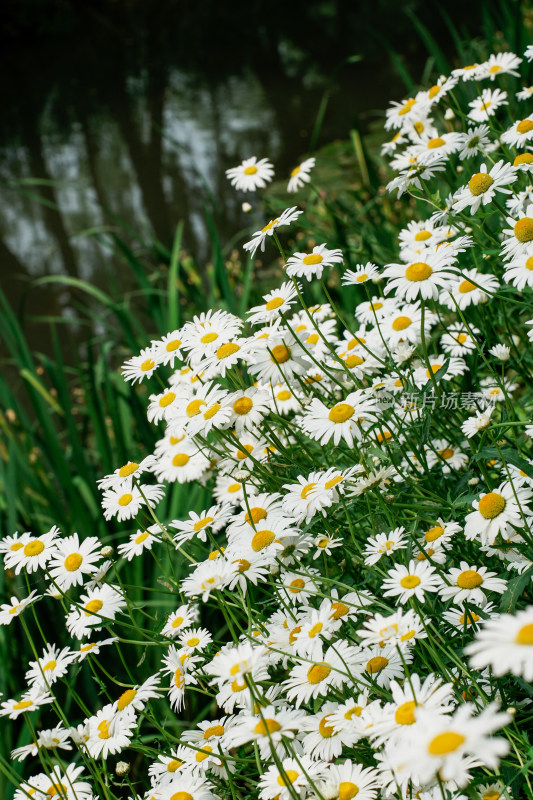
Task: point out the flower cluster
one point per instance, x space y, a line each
350 603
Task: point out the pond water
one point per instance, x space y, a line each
124 115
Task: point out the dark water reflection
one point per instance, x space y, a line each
141 121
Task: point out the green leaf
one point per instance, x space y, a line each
515 587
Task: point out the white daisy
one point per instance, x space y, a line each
251 174
259 237
312 265
301 175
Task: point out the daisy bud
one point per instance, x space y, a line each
449 113
246 207
473 481
501 352
459 168
511 710
107 551
122 768
242 475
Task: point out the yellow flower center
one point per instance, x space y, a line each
255 515
103 729
141 537
212 410
417 272
226 350
128 469
445 743
407 106
479 183
401 323
433 369
333 482
491 505
325 730
376 664
295 172
422 236
177 622
173 765
213 730
202 523
126 698
469 579
347 790
446 453
338 610
250 170
262 539
283 395
291 776
34 548
233 487
525 126
172 345
405 714
466 286
434 533
523 229
167 399
125 499
315 630
180 459
276 302
181 796
353 361
207 338
435 142
270 225
280 353
238 687
318 673
491 795
93 607
354 711
51 665
433 92
147 365
310 487
243 405
244 564
341 412
523 158
461 338
245 452
16 546
55 788
525 635
293 635
73 562
270 725
200 756
313 258
23 704
410 581
296 585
